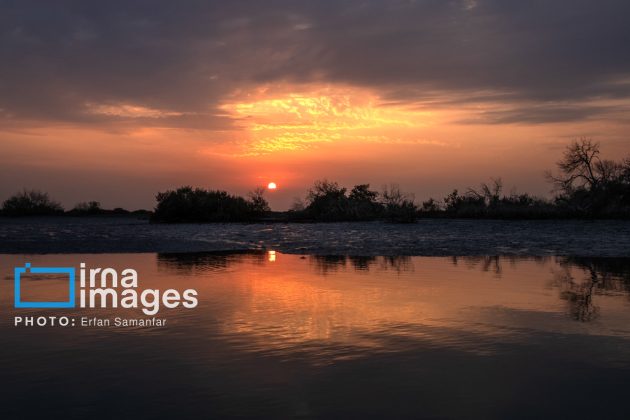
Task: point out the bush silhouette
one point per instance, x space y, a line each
257 202
90 208
488 202
30 203
198 205
329 202
363 203
399 207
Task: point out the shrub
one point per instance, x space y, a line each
30 203
430 206
327 201
363 203
188 205
86 209
399 207
257 202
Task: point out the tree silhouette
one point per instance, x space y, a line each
258 203
590 185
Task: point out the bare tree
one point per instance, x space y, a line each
579 167
257 200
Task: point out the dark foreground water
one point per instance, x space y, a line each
279 336
430 237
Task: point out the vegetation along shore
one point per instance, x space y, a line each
585 186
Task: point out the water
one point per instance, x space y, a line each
429 237
278 335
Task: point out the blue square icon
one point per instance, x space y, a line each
19 271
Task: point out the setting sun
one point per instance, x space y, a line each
272 186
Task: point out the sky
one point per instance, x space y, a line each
114 101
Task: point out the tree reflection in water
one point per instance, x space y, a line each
600 276
580 279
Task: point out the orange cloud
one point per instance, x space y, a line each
299 118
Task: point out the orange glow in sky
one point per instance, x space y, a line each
292 134
286 118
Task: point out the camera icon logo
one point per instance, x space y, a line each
19 271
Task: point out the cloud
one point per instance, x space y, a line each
57 59
545 113
130 111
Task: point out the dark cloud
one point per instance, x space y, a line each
540 114
185 57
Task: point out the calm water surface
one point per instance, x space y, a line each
279 335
